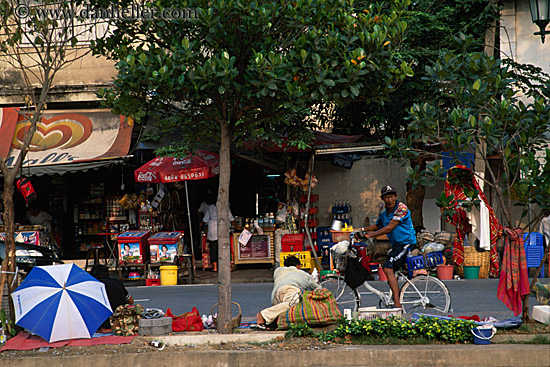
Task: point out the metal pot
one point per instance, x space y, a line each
336 225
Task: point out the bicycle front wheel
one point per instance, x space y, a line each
425 293
344 295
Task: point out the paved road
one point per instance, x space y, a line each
468 297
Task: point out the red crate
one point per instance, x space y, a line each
152 282
310 223
293 242
312 199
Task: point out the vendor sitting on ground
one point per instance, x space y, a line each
289 281
116 292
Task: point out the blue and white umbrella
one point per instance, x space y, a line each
61 302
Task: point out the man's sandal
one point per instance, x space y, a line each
258 326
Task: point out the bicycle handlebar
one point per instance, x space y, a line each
352 234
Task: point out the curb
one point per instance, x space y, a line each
373 356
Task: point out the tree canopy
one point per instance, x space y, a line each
495 108
241 70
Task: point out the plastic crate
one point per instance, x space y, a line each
370 313
312 199
304 256
293 242
152 282
310 223
430 260
323 236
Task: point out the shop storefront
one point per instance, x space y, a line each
85 179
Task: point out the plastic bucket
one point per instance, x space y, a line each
445 272
483 334
169 275
471 272
382 275
326 273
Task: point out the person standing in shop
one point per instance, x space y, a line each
211 221
37 216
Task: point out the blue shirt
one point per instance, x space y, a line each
403 233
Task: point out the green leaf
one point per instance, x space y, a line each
271 85
477 85
221 89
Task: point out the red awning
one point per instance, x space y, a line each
203 164
65 137
320 139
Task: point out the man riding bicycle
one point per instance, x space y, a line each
394 221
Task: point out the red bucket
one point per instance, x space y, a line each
445 272
382 275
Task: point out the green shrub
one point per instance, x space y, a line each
426 328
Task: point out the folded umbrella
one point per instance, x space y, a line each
61 302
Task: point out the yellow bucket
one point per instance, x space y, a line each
168 275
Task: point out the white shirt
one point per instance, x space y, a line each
203 208
43 219
211 219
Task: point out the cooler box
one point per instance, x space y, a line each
133 247
293 242
165 246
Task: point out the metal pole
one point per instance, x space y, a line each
306 226
190 226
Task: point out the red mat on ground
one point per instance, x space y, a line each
26 341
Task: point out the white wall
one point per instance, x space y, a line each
517 38
361 186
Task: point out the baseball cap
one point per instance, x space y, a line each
387 190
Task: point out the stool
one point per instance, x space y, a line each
187 261
93 253
534 250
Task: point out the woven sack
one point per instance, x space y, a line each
317 308
423 237
125 320
472 257
444 238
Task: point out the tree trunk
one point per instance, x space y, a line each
415 197
223 323
8 265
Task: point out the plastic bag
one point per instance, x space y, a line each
341 247
281 215
432 247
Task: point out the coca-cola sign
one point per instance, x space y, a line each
179 162
147 177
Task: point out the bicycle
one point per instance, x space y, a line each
421 292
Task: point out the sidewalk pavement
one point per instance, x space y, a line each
174 354
243 274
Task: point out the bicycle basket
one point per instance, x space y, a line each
339 260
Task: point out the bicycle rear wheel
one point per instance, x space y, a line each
344 295
425 293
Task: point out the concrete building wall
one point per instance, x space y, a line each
517 39
76 82
361 186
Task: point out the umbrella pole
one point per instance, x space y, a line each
190 228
